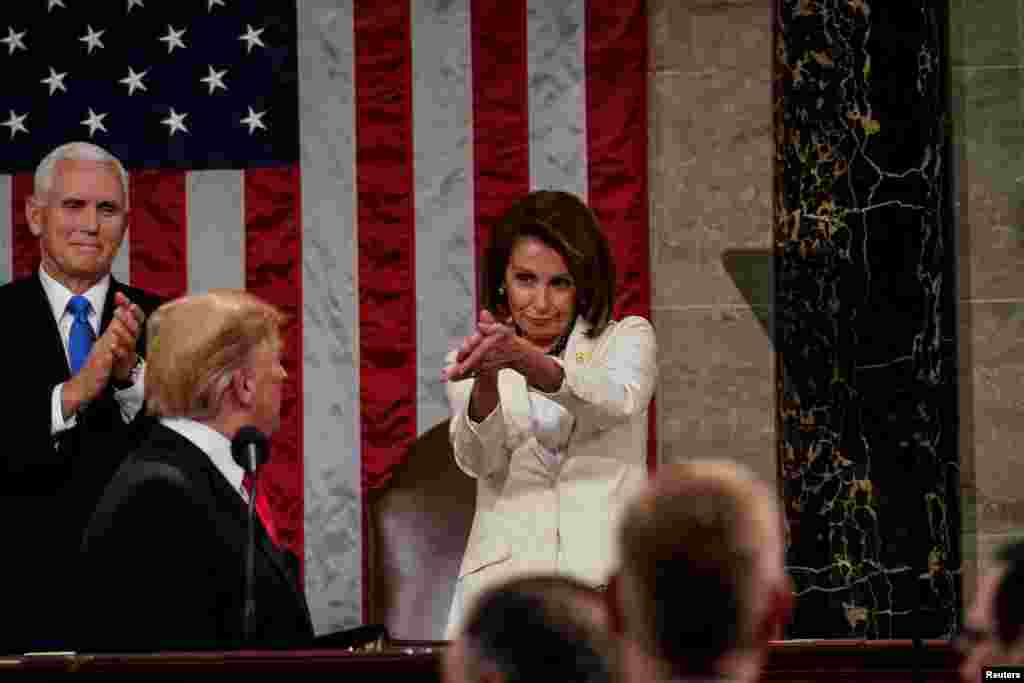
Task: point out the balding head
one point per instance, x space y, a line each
702 577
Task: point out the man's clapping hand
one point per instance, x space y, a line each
113 354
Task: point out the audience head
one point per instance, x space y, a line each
993 630
537 628
216 358
548 226
702 586
78 210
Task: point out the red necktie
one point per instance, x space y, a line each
262 508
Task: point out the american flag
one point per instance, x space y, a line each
344 160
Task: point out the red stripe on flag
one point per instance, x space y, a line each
501 120
24 245
616 87
273 272
157 229
386 241
386 235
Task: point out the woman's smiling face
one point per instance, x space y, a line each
541 292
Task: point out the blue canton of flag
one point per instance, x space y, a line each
190 84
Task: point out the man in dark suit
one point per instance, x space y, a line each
74 350
164 553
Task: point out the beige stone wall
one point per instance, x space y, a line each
711 184
987 81
711 191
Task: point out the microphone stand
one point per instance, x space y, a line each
249 607
249 449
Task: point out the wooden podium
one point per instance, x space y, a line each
824 661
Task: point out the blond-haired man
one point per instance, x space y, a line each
164 551
702 587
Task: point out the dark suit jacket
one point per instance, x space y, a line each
47 488
163 560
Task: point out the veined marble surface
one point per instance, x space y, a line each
866 320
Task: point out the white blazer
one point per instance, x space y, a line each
532 518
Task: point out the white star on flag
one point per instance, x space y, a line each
175 122
55 81
95 122
134 80
133 3
173 39
15 123
213 3
251 37
50 4
13 40
215 79
254 121
92 38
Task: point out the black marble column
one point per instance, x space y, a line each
865 318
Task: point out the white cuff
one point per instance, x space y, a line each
57 422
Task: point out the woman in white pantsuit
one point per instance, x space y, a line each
549 401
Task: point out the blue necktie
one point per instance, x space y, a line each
81 338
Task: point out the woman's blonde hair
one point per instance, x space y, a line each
197 342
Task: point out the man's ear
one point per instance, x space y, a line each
34 216
241 385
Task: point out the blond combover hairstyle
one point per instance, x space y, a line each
197 342
697 548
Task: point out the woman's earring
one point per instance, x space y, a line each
501 290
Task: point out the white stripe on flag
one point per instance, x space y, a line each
216 231
330 317
445 270
6 230
121 267
557 95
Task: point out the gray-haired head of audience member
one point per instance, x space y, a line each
533 629
702 587
75 151
993 632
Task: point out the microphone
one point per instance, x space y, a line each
250 449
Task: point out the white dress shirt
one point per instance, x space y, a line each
216 446
130 399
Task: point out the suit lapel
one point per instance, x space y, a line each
515 397
580 348
39 316
108 304
277 558
231 503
